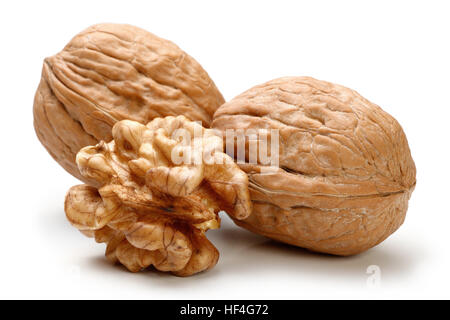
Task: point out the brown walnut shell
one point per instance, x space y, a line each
112 72
345 170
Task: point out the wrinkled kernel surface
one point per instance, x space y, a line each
150 210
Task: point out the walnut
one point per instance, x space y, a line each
150 207
345 170
112 72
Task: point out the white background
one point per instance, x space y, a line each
395 53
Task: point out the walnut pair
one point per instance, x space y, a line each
106 110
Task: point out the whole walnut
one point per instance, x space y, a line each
112 72
345 170
156 195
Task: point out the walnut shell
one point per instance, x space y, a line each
112 72
345 169
151 209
